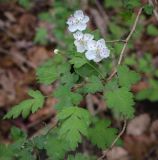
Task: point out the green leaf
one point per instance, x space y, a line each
121 101
69 79
41 36
80 156
66 101
86 71
131 4
16 133
27 106
78 61
152 30
127 77
5 152
56 147
115 30
149 93
46 16
93 85
106 134
25 3
148 9
74 121
50 71
111 4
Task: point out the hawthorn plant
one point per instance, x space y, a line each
87 69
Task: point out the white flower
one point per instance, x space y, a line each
81 41
97 50
78 21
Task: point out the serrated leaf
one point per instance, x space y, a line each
69 79
78 61
152 30
66 101
16 133
106 134
148 9
93 85
85 71
121 101
74 122
127 77
56 147
149 93
80 156
50 71
27 106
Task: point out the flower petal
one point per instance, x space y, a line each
91 45
104 53
101 43
98 58
90 55
72 28
80 46
81 26
78 35
88 37
79 14
85 19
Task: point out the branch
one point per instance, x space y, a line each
115 71
125 43
115 140
114 41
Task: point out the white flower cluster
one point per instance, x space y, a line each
94 50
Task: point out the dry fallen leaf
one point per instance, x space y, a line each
138 125
117 153
154 130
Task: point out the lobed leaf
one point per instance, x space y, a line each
74 122
27 106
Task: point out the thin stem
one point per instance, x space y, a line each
115 41
115 140
129 36
126 42
115 71
96 69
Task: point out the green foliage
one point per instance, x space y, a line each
41 36
66 101
111 4
149 93
115 30
127 77
93 85
86 71
121 101
55 147
79 119
21 148
25 3
16 133
80 156
152 30
51 70
106 134
27 106
5 152
78 61
130 4
148 9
